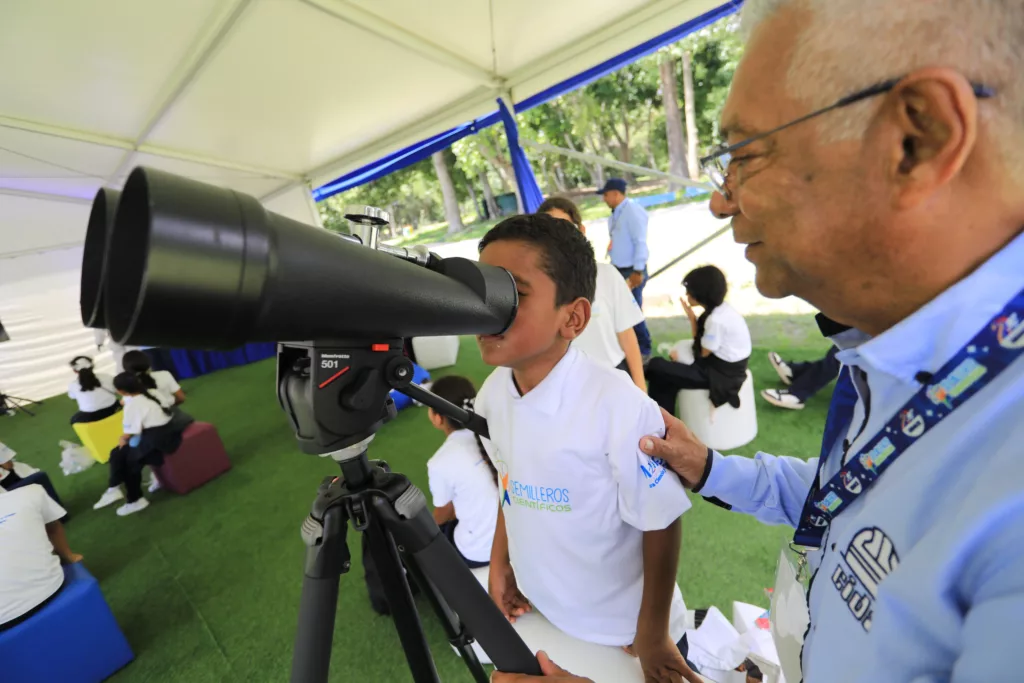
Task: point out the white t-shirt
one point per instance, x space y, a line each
614 310
142 413
103 396
165 383
726 334
458 474
577 494
29 570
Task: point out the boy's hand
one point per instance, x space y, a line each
501 584
73 558
661 661
552 674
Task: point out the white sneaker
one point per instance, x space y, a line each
782 399
781 367
154 484
129 508
109 497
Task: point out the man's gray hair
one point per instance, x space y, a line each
852 44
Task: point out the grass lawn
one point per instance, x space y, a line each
206 586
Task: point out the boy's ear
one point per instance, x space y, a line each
577 319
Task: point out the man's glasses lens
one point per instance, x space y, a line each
717 169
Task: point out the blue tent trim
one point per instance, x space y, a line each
524 173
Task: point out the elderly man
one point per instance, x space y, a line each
873 169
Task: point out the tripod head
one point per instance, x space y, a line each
336 394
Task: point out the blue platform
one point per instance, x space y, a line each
73 639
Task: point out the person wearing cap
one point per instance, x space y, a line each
627 229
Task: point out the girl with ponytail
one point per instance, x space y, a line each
162 381
149 435
721 346
463 480
94 393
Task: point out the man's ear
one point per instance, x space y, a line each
577 319
935 115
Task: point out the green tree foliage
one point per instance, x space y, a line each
620 116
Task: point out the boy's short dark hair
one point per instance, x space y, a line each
566 255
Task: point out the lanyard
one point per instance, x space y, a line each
972 368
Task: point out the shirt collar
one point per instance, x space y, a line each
460 435
547 396
926 339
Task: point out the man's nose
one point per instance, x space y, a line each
723 206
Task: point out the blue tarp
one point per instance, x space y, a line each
423 149
190 363
529 190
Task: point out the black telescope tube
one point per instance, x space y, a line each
194 265
94 257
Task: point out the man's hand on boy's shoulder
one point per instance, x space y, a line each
552 674
662 663
681 450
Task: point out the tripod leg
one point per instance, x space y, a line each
403 608
456 631
412 525
326 559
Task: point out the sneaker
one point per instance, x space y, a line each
782 399
109 497
154 484
129 508
781 367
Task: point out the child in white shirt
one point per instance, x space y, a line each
463 481
609 337
588 525
149 434
94 393
161 380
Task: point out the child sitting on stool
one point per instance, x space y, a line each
95 394
162 381
149 435
462 478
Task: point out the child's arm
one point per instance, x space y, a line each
658 654
501 582
445 513
634 361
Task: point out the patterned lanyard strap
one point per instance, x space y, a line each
973 367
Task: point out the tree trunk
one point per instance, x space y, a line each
492 204
691 118
598 167
476 204
451 201
673 122
559 178
651 162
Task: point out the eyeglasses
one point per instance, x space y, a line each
716 164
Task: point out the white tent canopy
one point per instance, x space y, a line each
269 97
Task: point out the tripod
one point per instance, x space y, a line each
327 392
10 404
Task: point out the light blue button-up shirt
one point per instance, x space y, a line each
921 579
628 231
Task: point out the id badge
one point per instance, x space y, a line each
789 614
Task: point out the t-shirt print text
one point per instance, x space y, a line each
870 558
654 470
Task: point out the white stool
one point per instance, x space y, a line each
720 428
600 663
435 352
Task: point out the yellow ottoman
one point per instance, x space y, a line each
101 437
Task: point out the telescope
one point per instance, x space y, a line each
170 261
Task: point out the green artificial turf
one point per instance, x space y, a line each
206 586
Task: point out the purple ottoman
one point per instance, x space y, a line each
200 458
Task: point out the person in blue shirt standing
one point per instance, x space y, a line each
872 167
627 229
